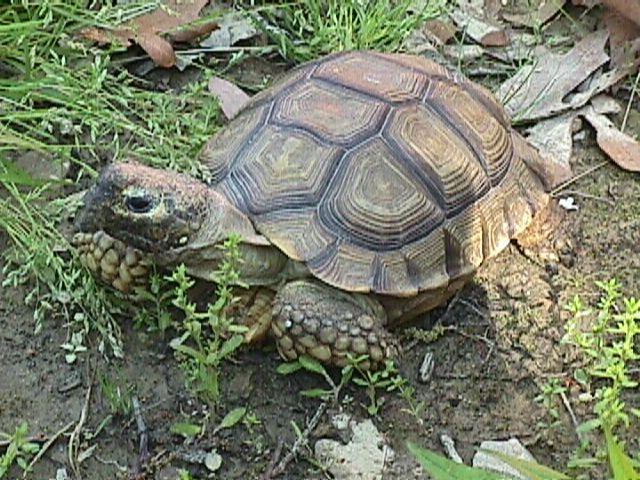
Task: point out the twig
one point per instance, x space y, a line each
300 441
113 463
33 439
564 185
143 432
274 460
72 450
574 419
589 196
626 112
46 446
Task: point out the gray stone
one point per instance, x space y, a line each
511 447
363 458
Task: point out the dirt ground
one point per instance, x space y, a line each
487 373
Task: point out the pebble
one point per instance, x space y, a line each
511 447
363 458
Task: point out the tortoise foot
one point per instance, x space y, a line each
310 318
547 241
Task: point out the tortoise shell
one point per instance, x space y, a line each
383 173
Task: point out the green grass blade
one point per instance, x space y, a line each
622 466
441 468
532 470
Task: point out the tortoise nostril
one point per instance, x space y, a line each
139 203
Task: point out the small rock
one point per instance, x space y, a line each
450 447
213 461
341 421
511 447
61 474
426 368
363 458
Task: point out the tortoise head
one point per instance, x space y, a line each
136 215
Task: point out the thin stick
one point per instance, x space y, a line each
143 449
589 196
72 450
564 185
626 112
300 441
46 446
574 419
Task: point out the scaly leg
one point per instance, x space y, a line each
323 322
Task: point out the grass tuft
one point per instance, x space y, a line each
307 30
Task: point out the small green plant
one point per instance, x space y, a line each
309 364
386 379
307 30
119 398
550 398
416 408
607 340
18 450
208 338
185 475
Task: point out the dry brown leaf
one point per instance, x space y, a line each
440 30
629 9
622 32
231 98
160 51
146 30
498 38
539 90
605 104
547 9
553 138
620 147
470 17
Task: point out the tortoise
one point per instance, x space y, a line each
367 189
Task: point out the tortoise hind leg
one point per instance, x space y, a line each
546 241
323 322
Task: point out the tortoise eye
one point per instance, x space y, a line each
139 203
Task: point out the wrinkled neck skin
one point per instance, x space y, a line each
261 262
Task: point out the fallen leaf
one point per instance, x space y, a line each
469 16
498 38
597 84
234 27
546 10
620 147
464 52
605 104
630 10
231 98
539 90
622 33
160 51
146 30
553 139
440 30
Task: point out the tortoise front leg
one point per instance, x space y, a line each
323 322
